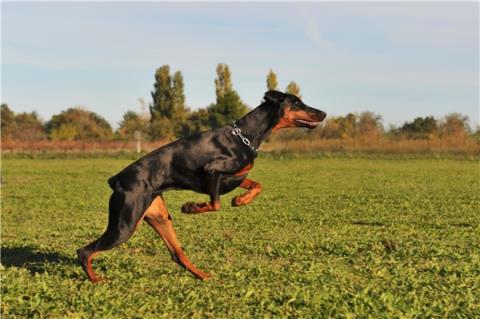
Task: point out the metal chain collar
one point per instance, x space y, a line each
238 132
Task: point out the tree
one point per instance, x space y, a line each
294 89
347 126
78 124
162 94
179 112
272 83
197 121
8 122
420 128
369 125
340 127
65 132
162 128
393 133
28 127
330 128
363 125
21 127
168 111
229 107
132 122
223 82
476 134
454 126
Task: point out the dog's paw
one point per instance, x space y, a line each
188 208
192 208
238 201
203 275
95 279
196 208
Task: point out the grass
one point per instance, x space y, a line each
329 237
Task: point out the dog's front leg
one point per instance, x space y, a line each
253 189
213 172
213 184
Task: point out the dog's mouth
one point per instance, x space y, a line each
306 123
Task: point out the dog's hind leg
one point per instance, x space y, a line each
124 216
158 217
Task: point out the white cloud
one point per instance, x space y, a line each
335 47
312 29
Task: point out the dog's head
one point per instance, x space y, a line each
293 112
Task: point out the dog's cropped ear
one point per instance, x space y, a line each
274 97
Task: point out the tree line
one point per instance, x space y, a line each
168 117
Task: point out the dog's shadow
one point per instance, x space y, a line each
32 259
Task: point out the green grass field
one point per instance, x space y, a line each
345 238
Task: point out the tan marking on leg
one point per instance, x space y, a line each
254 189
198 208
244 170
89 270
158 218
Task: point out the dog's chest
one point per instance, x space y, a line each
230 182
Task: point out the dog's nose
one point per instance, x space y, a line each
322 115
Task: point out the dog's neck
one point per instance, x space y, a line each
258 123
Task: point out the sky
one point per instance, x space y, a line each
398 59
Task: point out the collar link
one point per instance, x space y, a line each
238 132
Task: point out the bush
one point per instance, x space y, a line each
78 124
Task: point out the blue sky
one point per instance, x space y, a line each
400 60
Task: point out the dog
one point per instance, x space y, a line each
213 162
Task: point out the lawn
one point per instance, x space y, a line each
328 237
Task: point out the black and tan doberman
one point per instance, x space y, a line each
213 162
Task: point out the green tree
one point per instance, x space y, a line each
162 128
78 124
8 122
420 128
162 94
229 107
293 88
223 82
179 111
197 121
272 83
132 122
168 111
